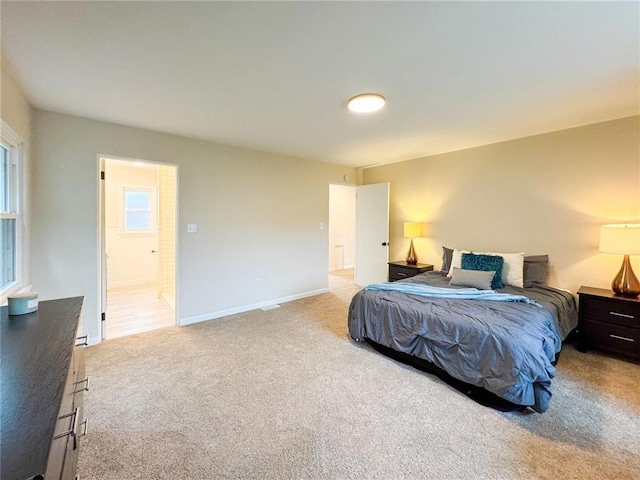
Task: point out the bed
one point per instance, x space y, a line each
506 348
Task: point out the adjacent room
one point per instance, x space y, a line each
200 220
138 218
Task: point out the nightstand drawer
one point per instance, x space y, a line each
400 273
610 311
615 338
402 270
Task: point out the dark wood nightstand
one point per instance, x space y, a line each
402 270
609 322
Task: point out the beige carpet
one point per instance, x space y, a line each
285 394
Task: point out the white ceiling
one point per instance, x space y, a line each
275 76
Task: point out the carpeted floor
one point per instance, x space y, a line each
286 394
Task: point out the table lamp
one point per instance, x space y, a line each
412 230
623 239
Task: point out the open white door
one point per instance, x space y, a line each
372 234
103 251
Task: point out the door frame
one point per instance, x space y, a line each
355 187
102 260
384 241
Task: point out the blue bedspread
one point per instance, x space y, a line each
443 292
508 348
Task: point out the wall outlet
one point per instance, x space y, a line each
258 282
192 228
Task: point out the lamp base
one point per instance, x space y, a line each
626 284
412 258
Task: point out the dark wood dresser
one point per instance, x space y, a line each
402 270
609 322
43 381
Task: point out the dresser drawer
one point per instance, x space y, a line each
615 338
65 423
610 311
71 424
81 384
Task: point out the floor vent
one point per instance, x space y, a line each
270 307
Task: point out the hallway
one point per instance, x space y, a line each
135 309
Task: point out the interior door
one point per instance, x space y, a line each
103 252
372 233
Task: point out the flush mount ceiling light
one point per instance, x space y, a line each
366 103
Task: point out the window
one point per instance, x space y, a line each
11 211
138 217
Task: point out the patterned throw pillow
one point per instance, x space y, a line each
487 263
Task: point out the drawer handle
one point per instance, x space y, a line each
400 274
86 427
74 424
84 341
621 338
86 385
622 315
75 437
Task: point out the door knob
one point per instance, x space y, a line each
385 244
154 251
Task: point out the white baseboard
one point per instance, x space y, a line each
168 302
245 308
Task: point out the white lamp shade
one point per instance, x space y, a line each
623 239
414 229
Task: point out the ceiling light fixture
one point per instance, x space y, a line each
366 103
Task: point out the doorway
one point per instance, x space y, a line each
138 220
342 235
358 234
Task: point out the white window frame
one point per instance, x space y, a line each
16 149
153 230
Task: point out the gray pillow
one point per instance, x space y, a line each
536 270
480 279
447 255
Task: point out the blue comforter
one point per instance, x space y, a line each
443 292
508 348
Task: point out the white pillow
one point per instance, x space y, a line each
456 260
512 269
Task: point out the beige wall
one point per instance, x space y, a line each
258 217
14 108
543 194
130 258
